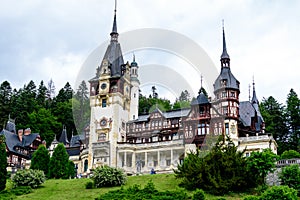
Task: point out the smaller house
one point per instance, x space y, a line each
19 145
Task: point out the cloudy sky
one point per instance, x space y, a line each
43 40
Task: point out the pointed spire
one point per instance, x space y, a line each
201 80
225 60
114 28
133 63
224 53
254 98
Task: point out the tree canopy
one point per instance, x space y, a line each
59 163
3 163
40 160
39 109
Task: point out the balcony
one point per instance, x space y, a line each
101 145
150 144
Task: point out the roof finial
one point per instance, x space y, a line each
114 29
201 88
249 92
223 24
133 57
254 98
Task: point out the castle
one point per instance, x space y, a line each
117 136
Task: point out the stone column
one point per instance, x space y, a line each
158 159
125 159
171 158
118 159
146 161
133 165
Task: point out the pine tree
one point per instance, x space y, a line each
276 122
81 107
41 95
59 163
222 170
3 163
5 101
293 114
40 159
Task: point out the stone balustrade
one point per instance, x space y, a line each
285 162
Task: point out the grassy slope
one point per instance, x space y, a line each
75 188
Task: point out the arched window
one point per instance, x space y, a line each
85 165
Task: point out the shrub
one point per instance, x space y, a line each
106 176
71 169
290 176
220 171
260 164
279 193
40 159
290 154
21 190
251 198
59 163
8 175
89 185
28 177
148 192
199 195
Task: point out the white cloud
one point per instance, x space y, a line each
41 38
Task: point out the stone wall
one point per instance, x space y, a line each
273 178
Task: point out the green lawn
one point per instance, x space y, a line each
75 188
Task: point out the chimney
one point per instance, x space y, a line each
20 134
27 131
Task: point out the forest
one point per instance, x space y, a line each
45 111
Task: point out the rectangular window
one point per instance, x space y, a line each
103 103
226 128
225 110
201 129
168 162
232 94
224 94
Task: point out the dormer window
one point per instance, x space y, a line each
224 82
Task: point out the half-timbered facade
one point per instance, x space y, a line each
19 145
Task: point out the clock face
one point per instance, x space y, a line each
103 122
103 86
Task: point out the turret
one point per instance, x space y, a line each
135 90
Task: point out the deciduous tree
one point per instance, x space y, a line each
260 164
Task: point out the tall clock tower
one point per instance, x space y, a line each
111 93
226 102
